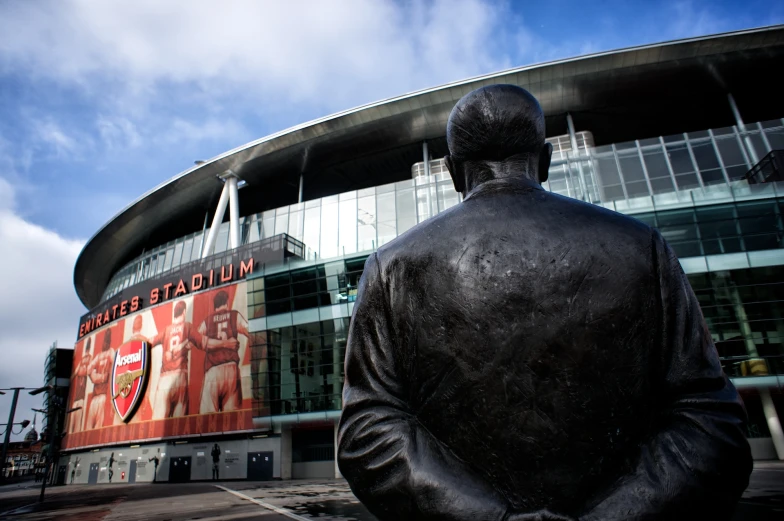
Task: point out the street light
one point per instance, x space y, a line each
51 440
38 391
7 439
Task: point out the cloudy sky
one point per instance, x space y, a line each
101 100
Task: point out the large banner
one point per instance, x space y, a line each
177 369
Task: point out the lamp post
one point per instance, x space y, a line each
7 438
51 439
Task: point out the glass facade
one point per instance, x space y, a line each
687 169
298 361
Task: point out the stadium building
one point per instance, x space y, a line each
220 336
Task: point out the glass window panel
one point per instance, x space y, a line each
366 221
347 238
708 162
268 223
687 181
177 255
245 223
712 177
759 144
631 167
718 230
658 171
282 220
427 203
705 155
606 171
329 231
447 196
730 152
724 131
406 208
169 259
312 229
647 218
698 134
679 230
776 138
255 228
386 217
737 172
680 159
222 241
637 189
295 224
161 260
760 225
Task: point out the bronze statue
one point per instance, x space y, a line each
527 356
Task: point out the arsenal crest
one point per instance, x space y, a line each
129 377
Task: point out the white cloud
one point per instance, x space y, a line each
118 132
53 138
295 50
38 304
181 130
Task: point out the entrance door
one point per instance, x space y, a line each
180 469
260 466
132 471
92 477
61 475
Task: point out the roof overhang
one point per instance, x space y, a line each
618 95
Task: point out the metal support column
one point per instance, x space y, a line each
209 244
576 155
426 158
669 163
644 168
234 213
718 155
301 186
774 424
693 160
769 408
8 431
620 172
742 129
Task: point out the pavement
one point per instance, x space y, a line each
302 500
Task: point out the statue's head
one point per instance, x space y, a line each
494 132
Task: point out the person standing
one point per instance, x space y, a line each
155 460
111 463
216 454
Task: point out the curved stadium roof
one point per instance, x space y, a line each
620 95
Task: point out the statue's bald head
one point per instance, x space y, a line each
497 125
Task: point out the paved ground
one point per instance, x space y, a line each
326 500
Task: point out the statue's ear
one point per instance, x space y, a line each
545 156
456 171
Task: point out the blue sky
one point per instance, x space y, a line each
102 100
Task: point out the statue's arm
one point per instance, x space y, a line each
393 464
697 459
